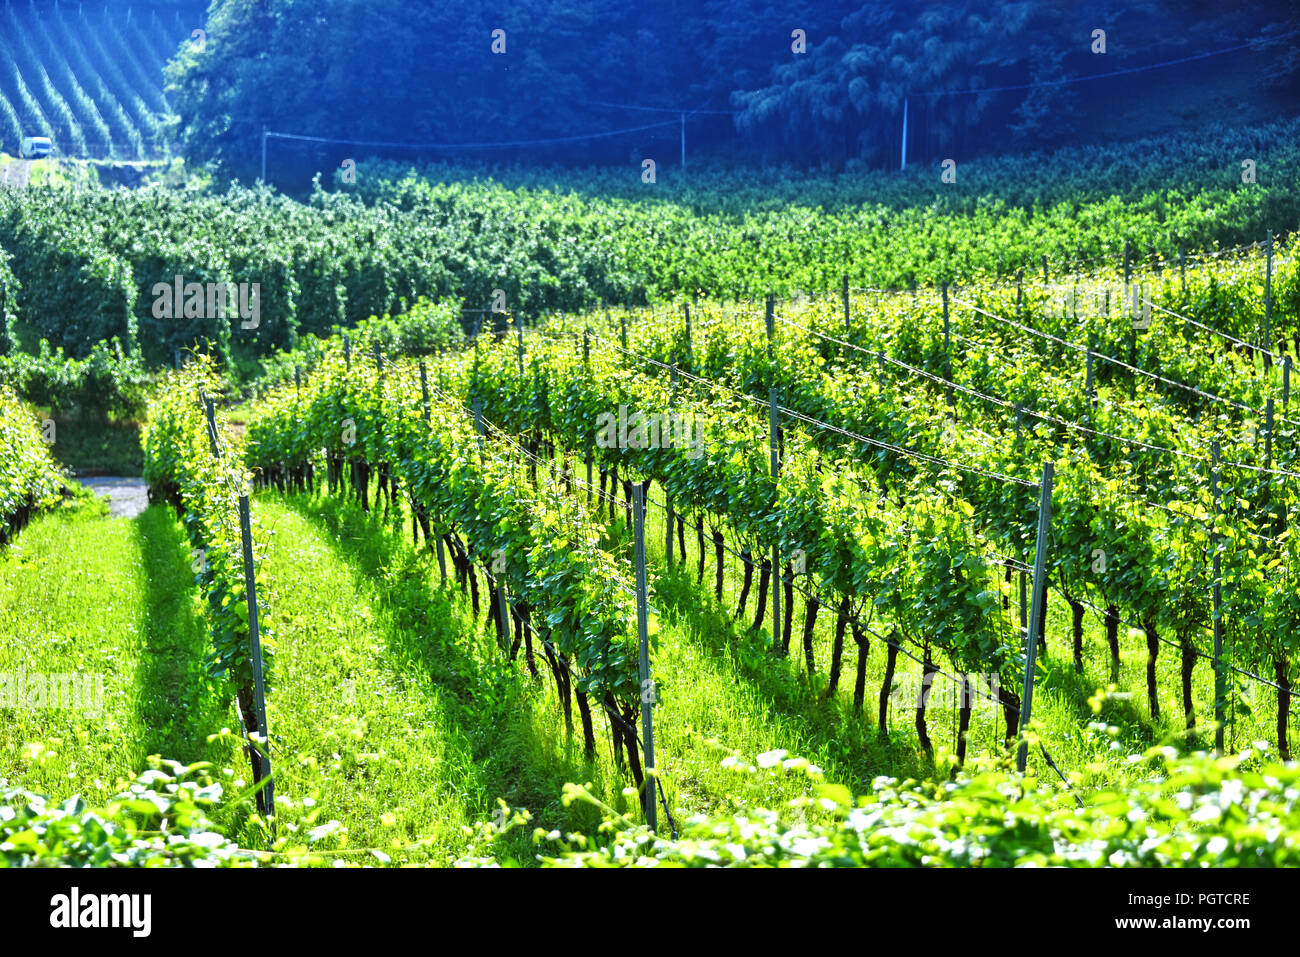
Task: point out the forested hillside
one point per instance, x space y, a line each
613 81
89 75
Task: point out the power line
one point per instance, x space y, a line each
901 450
1151 375
501 144
1126 72
661 109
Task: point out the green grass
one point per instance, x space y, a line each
355 581
87 595
384 700
393 712
413 695
1090 747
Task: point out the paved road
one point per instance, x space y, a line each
127 497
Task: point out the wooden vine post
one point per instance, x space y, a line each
424 391
209 410
424 398
844 295
480 429
1268 300
774 452
1268 464
1268 434
503 606
1219 676
1092 347
1035 609
670 516
586 366
519 340
260 759
690 352
947 345
1024 604
266 797
643 655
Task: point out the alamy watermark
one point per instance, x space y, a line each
656 430
179 299
1069 303
77 910
38 691
937 691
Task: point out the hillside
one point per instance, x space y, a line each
88 76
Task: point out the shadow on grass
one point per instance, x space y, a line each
852 740
172 697
1126 709
492 703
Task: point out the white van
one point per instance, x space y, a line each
34 147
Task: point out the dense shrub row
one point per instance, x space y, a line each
204 488
88 263
106 383
29 479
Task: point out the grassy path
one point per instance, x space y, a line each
388 712
395 721
370 645
108 601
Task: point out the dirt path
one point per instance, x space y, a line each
127 497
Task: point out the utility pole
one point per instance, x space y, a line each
903 165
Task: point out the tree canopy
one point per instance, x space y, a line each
387 71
